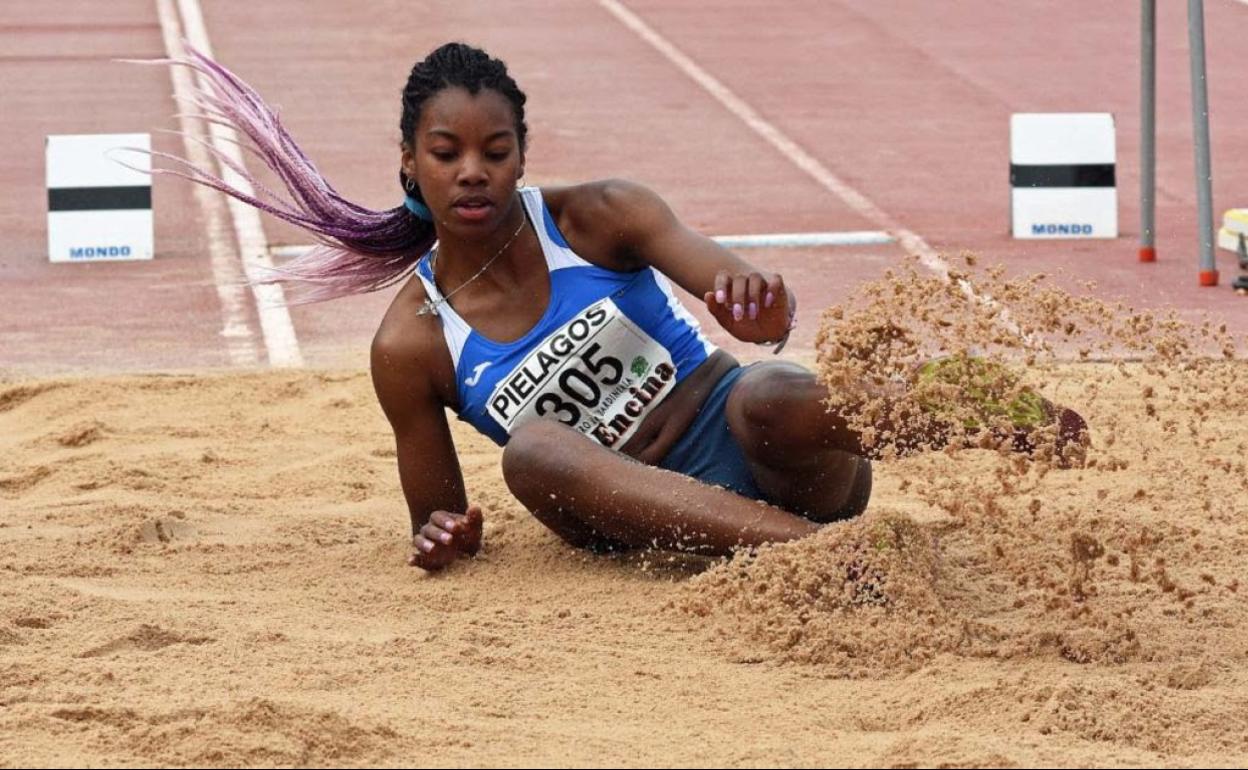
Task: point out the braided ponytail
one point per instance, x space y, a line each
358 249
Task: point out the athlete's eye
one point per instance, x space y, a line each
498 155
443 154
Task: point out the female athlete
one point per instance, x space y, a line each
546 319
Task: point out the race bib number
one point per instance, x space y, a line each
599 373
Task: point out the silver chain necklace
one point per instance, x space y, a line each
431 305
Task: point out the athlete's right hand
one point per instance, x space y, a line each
446 537
753 307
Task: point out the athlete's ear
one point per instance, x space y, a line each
408 160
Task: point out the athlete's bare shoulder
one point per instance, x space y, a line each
409 349
604 220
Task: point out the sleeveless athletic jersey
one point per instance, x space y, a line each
608 349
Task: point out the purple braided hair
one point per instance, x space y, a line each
358 249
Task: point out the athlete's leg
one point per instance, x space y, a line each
802 456
585 492
809 460
780 407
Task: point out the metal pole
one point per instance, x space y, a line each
1148 127
1200 126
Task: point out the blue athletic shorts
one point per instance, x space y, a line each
708 451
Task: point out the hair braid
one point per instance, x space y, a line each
359 250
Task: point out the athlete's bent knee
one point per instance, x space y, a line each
767 401
533 457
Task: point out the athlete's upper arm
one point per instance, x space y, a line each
428 465
640 228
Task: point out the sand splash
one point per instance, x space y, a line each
208 569
1130 556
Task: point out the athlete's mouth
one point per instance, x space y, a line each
473 208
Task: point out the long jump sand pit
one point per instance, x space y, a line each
209 569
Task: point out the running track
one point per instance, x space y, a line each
906 103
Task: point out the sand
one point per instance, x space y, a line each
208 569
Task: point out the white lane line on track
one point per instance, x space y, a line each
227 274
859 203
275 323
754 241
799 240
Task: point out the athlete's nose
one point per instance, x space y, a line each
472 171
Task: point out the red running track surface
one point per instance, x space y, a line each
908 103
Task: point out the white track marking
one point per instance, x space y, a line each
754 241
855 200
858 202
797 240
275 322
227 273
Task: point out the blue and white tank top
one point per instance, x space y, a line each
609 348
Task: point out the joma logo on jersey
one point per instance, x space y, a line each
88 252
476 373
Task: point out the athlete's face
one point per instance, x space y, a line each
466 158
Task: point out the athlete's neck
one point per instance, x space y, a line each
459 258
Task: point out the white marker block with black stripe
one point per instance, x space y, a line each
1062 175
97 208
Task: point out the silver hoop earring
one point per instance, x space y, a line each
409 185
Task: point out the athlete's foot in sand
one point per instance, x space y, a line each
1041 428
1065 432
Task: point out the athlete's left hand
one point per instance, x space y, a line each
753 307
